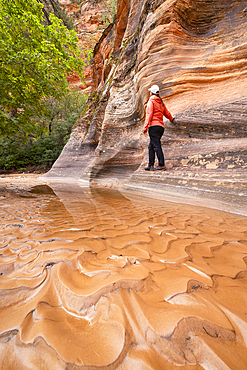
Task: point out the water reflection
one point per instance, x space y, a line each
92 278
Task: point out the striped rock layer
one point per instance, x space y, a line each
196 51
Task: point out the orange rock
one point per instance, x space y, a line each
196 52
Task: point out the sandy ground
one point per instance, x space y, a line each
94 278
233 203
20 177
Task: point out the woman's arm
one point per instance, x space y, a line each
149 115
167 114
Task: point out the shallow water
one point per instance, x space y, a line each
93 278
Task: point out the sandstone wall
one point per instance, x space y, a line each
197 52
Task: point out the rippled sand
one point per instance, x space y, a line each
93 279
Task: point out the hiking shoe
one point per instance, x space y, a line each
149 168
160 168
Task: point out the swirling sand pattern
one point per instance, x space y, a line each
93 279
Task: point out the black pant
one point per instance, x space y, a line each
155 133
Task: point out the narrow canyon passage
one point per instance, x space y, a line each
93 278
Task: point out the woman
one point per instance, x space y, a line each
156 109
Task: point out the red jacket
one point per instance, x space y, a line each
155 112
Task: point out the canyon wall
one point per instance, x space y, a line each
196 51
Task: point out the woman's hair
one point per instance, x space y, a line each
158 94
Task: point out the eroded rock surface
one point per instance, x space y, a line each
197 52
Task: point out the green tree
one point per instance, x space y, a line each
34 61
35 153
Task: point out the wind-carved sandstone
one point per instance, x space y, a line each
196 52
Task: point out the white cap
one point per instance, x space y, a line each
154 89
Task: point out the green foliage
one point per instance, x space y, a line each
37 109
53 6
110 12
19 151
65 111
41 153
34 61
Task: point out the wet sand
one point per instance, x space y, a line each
91 278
